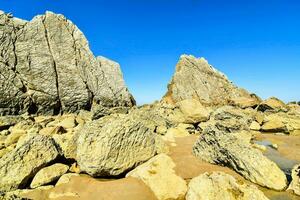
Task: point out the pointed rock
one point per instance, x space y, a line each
195 78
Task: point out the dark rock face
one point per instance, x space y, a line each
46 67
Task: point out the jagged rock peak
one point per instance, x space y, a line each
46 67
194 78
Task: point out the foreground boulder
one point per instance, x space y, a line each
195 78
158 173
49 68
48 175
219 185
115 144
21 164
295 184
272 104
217 147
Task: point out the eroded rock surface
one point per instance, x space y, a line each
295 184
46 67
195 78
158 173
217 147
48 174
21 164
115 144
219 185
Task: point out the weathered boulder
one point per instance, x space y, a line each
158 173
65 178
295 184
217 147
48 174
115 144
219 185
47 67
193 111
20 165
282 122
246 102
254 126
274 125
272 104
229 119
195 79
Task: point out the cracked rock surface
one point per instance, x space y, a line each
195 78
46 67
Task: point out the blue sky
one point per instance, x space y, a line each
256 43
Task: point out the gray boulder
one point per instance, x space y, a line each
21 164
217 147
46 67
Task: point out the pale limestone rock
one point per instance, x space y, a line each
254 126
21 164
49 69
48 175
158 173
218 147
229 119
67 144
68 122
14 137
259 117
272 104
65 178
246 102
295 184
194 78
218 185
52 130
274 125
193 111
283 122
114 144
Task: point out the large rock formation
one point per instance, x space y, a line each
195 78
219 185
218 147
46 66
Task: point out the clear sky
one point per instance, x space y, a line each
256 43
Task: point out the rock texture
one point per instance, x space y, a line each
295 184
48 174
115 144
219 185
21 164
46 67
193 111
158 173
217 147
195 78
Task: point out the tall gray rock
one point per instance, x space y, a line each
195 78
46 67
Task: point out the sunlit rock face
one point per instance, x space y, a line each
46 67
195 78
